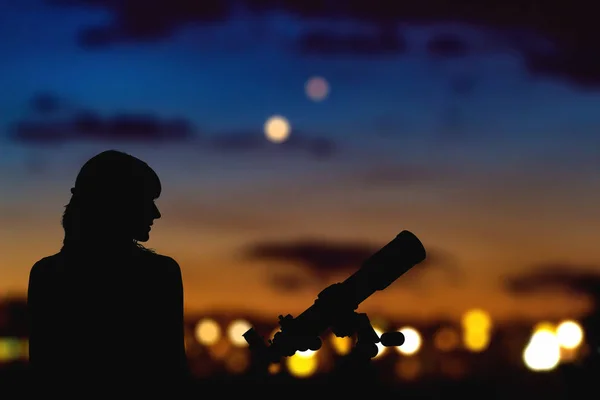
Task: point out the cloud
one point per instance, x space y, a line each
571 27
288 283
142 21
447 45
577 279
323 260
46 103
54 122
89 125
329 43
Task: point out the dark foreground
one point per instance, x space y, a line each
561 384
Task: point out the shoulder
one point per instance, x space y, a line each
45 265
165 266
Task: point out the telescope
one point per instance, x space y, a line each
335 308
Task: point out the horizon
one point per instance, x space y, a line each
479 138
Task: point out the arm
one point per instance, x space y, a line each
176 335
39 320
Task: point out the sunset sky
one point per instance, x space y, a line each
475 138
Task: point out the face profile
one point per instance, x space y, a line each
113 201
142 223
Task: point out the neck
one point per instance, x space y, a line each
103 244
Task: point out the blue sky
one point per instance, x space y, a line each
397 113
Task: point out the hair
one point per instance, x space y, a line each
104 188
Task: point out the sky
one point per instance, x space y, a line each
475 129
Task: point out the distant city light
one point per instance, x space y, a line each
446 339
380 348
274 369
237 362
544 326
236 331
11 349
412 341
317 88
569 334
477 325
277 129
301 367
542 353
306 353
208 332
408 369
476 341
476 319
341 345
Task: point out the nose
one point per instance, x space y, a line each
156 213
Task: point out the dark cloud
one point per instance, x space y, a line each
447 45
572 278
235 142
89 125
571 27
329 43
46 103
143 20
323 260
47 128
289 282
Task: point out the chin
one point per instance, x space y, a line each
142 238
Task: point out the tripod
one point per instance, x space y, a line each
291 339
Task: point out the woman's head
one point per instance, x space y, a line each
112 200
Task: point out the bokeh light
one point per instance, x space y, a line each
208 332
542 353
544 326
408 369
446 339
476 320
274 368
317 88
306 353
412 341
277 129
477 325
237 362
11 349
381 349
236 331
341 345
300 366
476 341
569 334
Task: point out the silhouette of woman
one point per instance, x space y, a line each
106 311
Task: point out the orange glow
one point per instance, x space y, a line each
208 332
446 339
237 362
236 331
408 369
476 320
342 346
300 366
